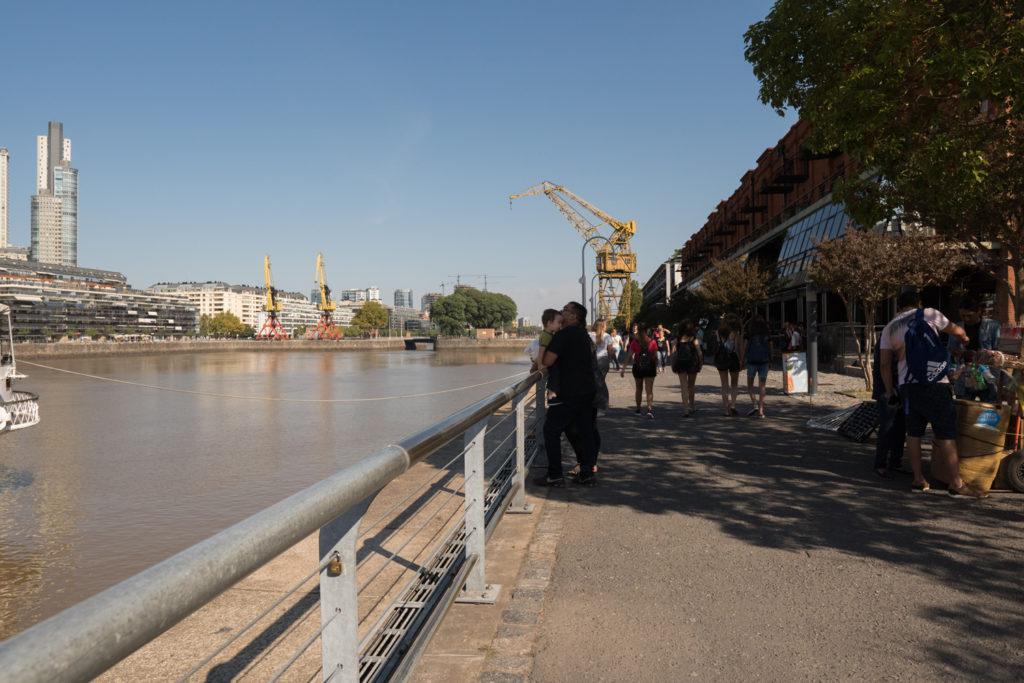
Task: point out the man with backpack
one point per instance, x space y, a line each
912 337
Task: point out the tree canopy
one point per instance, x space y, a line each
635 301
867 267
370 318
734 287
469 307
225 324
924 96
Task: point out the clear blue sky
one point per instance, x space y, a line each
387 135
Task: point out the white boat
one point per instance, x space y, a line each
18 409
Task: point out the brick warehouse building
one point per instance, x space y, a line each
781 209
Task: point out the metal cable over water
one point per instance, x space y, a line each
271 399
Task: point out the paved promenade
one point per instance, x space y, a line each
720 548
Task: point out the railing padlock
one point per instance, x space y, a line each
334 565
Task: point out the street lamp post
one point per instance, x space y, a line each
593 300
583 267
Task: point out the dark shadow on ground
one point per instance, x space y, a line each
776 484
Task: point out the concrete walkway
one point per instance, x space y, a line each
734 548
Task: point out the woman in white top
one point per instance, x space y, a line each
615 349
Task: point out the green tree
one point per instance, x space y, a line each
225 324
371 318
926 96
449 314
735 287
893 260
635 303
470 307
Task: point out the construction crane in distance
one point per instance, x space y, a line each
458 278
325 328
272 328
616 262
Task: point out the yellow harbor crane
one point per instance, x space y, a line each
325 328
272 328
616 262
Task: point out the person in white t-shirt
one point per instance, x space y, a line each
923 404
615 349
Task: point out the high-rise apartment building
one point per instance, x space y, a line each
373 293
428 299
403 298
5 166
55 206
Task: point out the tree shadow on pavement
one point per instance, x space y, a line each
776 484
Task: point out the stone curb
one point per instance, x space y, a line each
510 658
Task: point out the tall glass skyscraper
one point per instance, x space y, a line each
55 205
403 298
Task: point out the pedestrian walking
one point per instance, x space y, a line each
727 361
758 356
661 338
615 349
571 411
688 360
643 350
892 426
912 338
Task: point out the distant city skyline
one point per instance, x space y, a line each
392 154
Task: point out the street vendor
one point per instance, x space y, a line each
972 380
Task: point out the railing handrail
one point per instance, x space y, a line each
88 638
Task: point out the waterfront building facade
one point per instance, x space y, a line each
400 315
51 301
403 298
54 222
245 302
783 208
428 299
5 167
352 295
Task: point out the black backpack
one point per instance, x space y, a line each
644 361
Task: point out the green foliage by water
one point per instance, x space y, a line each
468 308
371 318
224 325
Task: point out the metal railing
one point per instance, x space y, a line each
94 635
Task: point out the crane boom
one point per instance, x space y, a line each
616 261
326 304
271 305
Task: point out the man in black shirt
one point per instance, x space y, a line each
572 353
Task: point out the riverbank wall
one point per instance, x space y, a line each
449 343
78 349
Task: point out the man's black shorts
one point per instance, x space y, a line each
929 404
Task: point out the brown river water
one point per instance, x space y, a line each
117 477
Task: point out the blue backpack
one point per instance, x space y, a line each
927 358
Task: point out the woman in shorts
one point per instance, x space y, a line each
643 351
687 362
727 361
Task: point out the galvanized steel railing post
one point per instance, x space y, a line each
518 505
540 412
339 596
476 590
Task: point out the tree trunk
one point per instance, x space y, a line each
851 322
869 345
